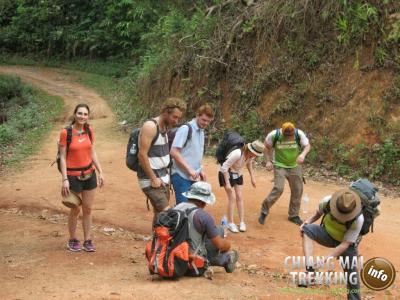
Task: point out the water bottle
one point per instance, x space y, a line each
224 224
306 202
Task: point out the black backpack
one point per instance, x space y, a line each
132 149
69 139
368 194
231 141
172 133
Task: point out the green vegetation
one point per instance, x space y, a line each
218 51
26 115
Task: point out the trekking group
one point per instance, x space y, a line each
186 239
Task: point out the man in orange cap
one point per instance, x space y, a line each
290 146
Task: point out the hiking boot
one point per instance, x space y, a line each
242 227
74 245
232 227
296 220
88 246
262 217
233 258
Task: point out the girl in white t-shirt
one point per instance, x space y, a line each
231 178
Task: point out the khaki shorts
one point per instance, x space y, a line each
159 197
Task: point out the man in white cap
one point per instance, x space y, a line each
340 228
206 239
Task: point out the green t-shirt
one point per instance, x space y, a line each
286 153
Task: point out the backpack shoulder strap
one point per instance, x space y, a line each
297 137
189 135
276 137
69 136
89 133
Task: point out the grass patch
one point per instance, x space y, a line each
30 114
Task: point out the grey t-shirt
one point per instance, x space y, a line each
353 232
204 223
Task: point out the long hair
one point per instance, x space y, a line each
86 125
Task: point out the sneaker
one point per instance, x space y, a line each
232 227
74 245
296 220
242 227
88 246
233 258
307 281
262 217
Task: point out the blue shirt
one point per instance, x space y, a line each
192 153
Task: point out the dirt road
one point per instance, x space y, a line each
34 262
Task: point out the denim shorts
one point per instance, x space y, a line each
319 234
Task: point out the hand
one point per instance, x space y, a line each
253 182
300 159
193 175
301 228
269 166
156 183
65 188
203 176
228 187
100 180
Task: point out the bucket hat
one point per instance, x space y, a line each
201 190
72 200
256 147
345 205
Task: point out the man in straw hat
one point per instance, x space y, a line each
290 147
339 229
206 238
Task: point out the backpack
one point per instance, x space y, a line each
167 253
69 140
231 141
172 133
278 134
132 148
369 201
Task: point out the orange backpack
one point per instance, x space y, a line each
168 252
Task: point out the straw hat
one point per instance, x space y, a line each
345 205
201 190
72 200
256 148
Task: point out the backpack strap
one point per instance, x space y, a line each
157 133
69 137
276 137
278 134
189 135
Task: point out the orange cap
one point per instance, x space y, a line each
287 125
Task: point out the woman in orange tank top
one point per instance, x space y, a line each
79 163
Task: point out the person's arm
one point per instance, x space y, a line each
339 249
96 163
182 164
180 139
317 214
306 147
63 165
147 133
222 244
249 166
268 156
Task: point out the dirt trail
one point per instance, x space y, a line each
32 248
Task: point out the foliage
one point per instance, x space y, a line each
30 114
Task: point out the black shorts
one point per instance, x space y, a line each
234 179
78 186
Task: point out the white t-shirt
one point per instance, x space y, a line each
235 162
